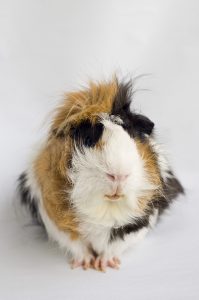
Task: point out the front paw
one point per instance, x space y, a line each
85 262
101 262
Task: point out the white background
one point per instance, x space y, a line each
48 47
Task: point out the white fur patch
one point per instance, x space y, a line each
89 168
117 247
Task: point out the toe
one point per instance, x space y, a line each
103 265
86 264
75 264
113 264
117 260
96 263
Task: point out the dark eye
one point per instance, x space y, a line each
87 134
88 141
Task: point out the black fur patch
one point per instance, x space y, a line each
119 233
87 134
26 198
171 189
134 124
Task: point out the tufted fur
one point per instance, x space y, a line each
70 185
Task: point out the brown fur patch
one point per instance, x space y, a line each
150 161
51 174
152 170
85 104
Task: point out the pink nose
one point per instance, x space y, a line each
117 178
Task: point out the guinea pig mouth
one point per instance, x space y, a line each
114 197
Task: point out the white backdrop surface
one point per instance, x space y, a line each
48 47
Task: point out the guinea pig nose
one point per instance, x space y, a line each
115 177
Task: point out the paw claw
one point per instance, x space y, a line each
75 264
113 264
85 263
116 260
100 263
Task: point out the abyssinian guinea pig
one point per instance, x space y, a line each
100 180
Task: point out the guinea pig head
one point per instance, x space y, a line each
108 169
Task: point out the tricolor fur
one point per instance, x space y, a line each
100 180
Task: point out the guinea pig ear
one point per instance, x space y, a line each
142 124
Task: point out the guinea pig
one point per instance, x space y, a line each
100 180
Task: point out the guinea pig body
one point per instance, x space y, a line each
100 181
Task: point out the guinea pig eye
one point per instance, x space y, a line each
88 141
87 134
